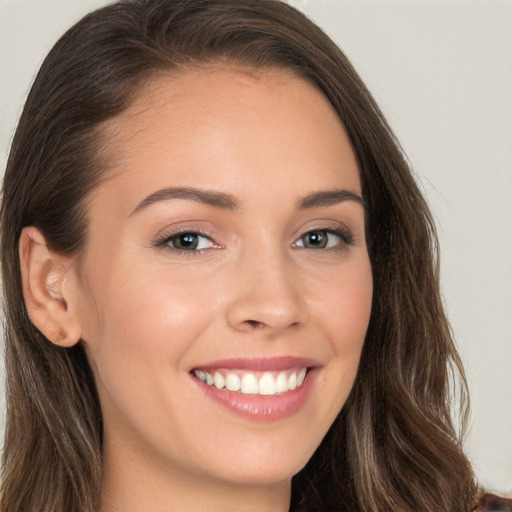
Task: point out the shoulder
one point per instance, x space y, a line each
490 502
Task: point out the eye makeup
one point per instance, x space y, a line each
324 239
189 241
186 241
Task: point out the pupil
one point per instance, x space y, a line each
317 239
187 241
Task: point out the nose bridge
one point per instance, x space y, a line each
267 293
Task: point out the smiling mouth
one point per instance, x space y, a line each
266 383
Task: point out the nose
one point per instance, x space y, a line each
267 295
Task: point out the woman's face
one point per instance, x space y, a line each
227 246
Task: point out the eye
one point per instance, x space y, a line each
324 239
187 241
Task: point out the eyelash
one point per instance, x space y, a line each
343 234
165 240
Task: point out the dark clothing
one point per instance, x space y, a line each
493 503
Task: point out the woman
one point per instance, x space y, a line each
220 278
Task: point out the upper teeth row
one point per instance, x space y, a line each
249 384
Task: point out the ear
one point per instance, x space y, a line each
49 287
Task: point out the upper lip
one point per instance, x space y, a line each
261 363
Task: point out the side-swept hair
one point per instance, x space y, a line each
394 447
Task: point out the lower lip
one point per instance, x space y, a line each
261 408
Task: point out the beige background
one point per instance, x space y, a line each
441 71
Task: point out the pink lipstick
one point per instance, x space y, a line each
261 389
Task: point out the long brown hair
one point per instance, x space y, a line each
394 446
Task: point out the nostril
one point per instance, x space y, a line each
254 324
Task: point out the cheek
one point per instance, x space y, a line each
150 305
345 313
139 351
145 320
346 307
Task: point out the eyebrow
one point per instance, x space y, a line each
211 198
328 198
225 201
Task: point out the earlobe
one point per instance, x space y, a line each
46 277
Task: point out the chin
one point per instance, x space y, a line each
262 463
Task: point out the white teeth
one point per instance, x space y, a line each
301 377
249 385
292 381
200 375
268 383
281 383
233 382
218 380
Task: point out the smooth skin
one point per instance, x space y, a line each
261 273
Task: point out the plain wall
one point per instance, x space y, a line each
441 72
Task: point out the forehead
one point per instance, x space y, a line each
219 123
